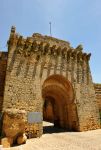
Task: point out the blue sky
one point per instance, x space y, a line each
76 21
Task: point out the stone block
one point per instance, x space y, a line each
6 142
14 123
22 139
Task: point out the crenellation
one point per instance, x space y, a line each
79 48
51 40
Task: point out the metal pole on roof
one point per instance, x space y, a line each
50 28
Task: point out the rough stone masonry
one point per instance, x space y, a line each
45 75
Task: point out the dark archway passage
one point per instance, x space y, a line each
59 106
49 109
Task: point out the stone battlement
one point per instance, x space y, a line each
44 44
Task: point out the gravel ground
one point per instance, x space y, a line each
58 139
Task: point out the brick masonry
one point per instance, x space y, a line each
31 61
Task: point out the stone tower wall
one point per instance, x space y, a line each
98 94
3 65
32 60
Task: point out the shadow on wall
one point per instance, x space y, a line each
52 129
59 106
100 117
49 128
3 66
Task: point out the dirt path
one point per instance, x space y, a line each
57 139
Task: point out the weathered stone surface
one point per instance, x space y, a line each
98 94
6 142
3 65
14 121
33 130
30 63
22 139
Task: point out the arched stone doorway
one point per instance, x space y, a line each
59 106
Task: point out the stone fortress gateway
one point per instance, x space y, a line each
47 76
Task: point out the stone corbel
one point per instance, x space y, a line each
74 55
20 45
49 51
64 50
27 47
52 49
37 58
34 46
41 47
68 55
79 57
46 48
55 52
84 57
58 50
